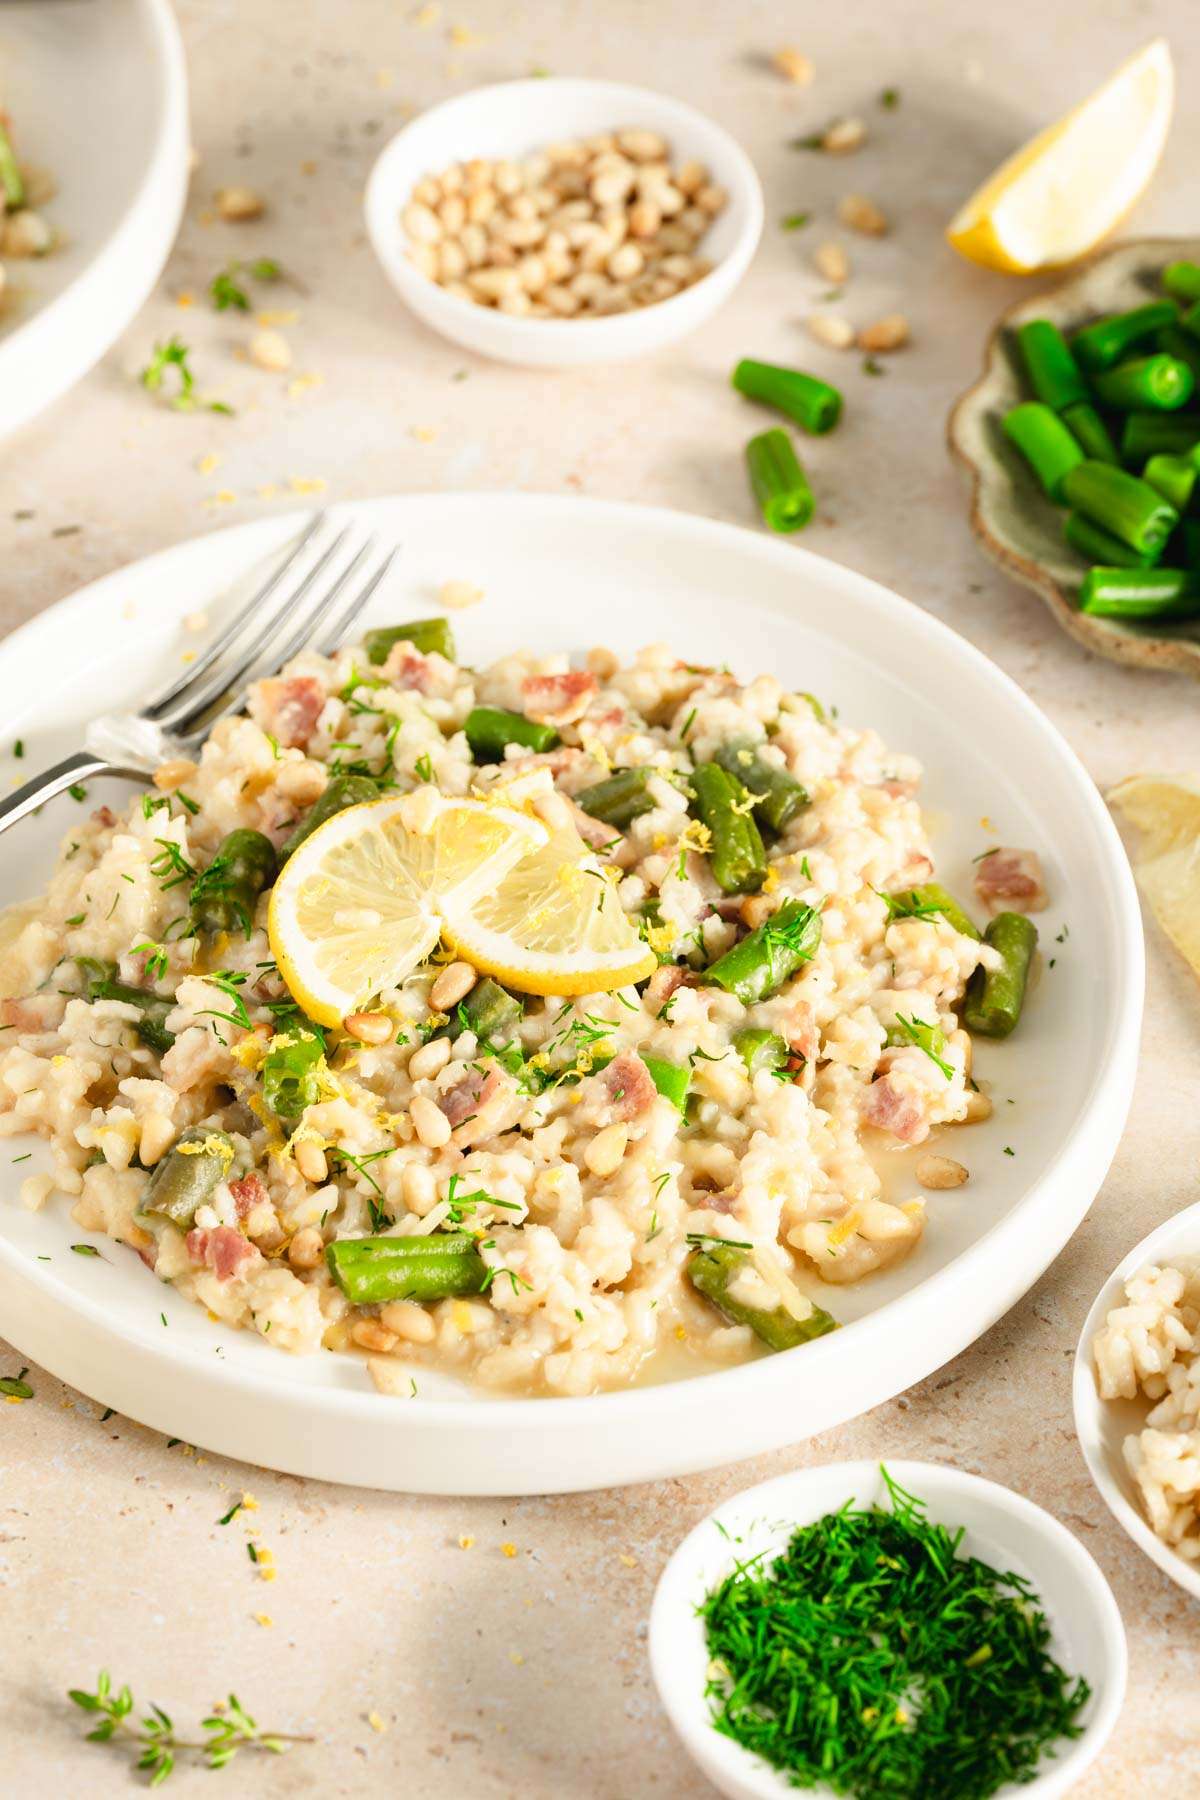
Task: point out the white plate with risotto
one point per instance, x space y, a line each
527 1240
71 78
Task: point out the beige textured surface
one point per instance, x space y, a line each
526 1675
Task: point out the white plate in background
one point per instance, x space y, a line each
562 573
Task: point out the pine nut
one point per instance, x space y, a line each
453 214
158 1134
690 177
240 203
429 1060
844 136
481 206
429 1122
451 263
408 1320
712 200
369 1027
831 262
518 305
170 775
371 1335
271 350
419 1187
862 215
452 985
835 332
422 224
644 219
794 66
979 1108
888 333
603 1155
940 1172
307 1249
642 146
625 263
493 284
310 1160
27 234
455 596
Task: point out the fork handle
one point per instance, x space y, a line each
53 781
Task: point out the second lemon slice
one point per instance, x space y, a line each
1166 811
554 925
360 903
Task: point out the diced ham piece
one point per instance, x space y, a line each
630 1086
104 815
899 790
468 1096
288 707
249 1192
593 831
408 668
223 1250
662 984
800 1030
890 1108
558 699
1011 879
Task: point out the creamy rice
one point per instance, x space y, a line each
590 1269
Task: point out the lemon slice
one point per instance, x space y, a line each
1069 186
1166 811
554 925
359 903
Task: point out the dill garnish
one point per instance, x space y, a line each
872 1656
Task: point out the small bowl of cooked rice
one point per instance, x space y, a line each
560 222
1137 1396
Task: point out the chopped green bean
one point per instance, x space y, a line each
425 635
12 185
101 984
224 897
373 1270
1090 432
1182 280
778 482
291 1071
931 900
1103 344
1141 593
994 998
1172 340
671 1079
1156 381
1096 545
1148 434
1054 375
189 1174
619 799
490 729
1174 477
760 1049
713 1271
1045 443
758 967
777 796
807 399
1128 508
735 853
341 792
491 1012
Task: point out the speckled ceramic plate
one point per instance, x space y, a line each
1018 527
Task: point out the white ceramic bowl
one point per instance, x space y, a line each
513 119
1103 1425
75 77
1004 1529
633 575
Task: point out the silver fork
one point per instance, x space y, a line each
303 606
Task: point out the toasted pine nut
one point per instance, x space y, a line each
603 1155
940 1172
711 200
158 1134
456 595
642 146
429 1059
452 985
625 263
310 1160
831 261
170 775
27 234
306 1249
794 66
418 1184
240 203
371 1335
888 333
862 215
690 177
644 219
429 1121
271 350
844 136
369 1027
829 329
979 1108
408 1320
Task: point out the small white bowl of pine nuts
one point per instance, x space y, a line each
560 222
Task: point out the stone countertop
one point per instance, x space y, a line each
419 1666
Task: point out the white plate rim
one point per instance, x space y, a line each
1087 1149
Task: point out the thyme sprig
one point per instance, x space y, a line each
228 1729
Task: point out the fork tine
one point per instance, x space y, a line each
340 631
158 705
204 694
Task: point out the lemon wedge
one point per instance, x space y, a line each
1165 809
359 904
553 925
1065 190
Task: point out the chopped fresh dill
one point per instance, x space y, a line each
77 791
794 221
929 1038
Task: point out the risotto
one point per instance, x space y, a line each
532 1190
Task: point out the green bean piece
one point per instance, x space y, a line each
931 898
1090 432
758 967
777 796
994 998
224 897
1149 434
1190 320
491 1012
713 1270
101 984
189 1174
490 730
1172 340
619 799
671 1079
1045 443
760 1049
12 184
1096 545
1141 593
778 482
806 398
1174 477
1156 382
341 792
1131 509
735 853
1054 375
291 1071
1103 344
1182 280
373 1270
425 635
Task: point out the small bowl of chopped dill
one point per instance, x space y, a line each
907 1630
